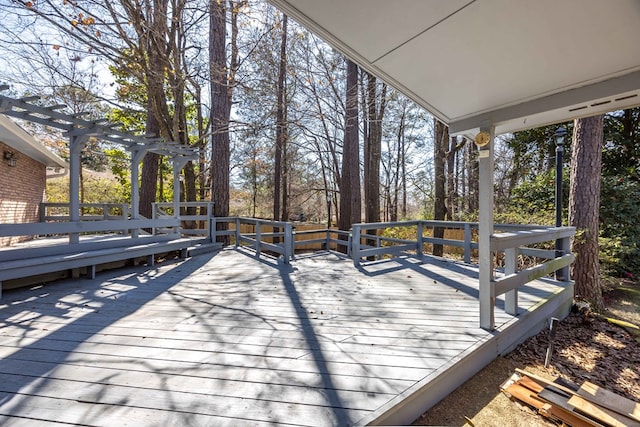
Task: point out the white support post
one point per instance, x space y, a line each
487 291
76 143
511 297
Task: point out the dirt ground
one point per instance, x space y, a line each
587 347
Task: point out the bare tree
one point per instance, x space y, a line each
222 85
375 104
279 170
441 143
350 199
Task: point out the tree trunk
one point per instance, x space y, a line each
220 109
473 178
281 133
584 206
373 144
451 160
350 199
441 142
150 167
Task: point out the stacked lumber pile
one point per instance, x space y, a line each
577 406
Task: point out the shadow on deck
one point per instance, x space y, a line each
232 339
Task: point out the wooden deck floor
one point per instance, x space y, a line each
226 339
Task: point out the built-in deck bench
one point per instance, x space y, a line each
60 255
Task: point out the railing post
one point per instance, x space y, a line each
419 242
288 242
467 243
237 232
42 211
355 244
328 242
213 226
153 216
258 238
510 297
563 274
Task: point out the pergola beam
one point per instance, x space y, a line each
74 125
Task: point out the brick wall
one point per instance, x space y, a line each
22 188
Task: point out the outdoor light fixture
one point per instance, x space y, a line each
482 138
559 136
11 158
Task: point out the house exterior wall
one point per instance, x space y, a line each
22 189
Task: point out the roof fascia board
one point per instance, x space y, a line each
567 99
27 144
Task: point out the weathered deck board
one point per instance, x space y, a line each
228 339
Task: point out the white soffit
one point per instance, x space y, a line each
20 140
514 64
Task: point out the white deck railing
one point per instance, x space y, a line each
279 233
87 211
515 243
196 224
509 241
331 238
362 241
367 244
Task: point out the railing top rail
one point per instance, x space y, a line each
372 225
513 239
66 204
446 224
521 226
254 221
40 228
182 204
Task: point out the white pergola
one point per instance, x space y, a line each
490 65
79 130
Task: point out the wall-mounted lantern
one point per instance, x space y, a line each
11 158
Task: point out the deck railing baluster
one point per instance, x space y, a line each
467 243
510 267
355 244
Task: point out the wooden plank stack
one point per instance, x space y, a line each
577 406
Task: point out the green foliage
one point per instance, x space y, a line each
407 233
533 201
132 92
621 154
97 190
119 162
619 225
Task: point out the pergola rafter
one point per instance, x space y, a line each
79 131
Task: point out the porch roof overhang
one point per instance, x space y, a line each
476 63
19 139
